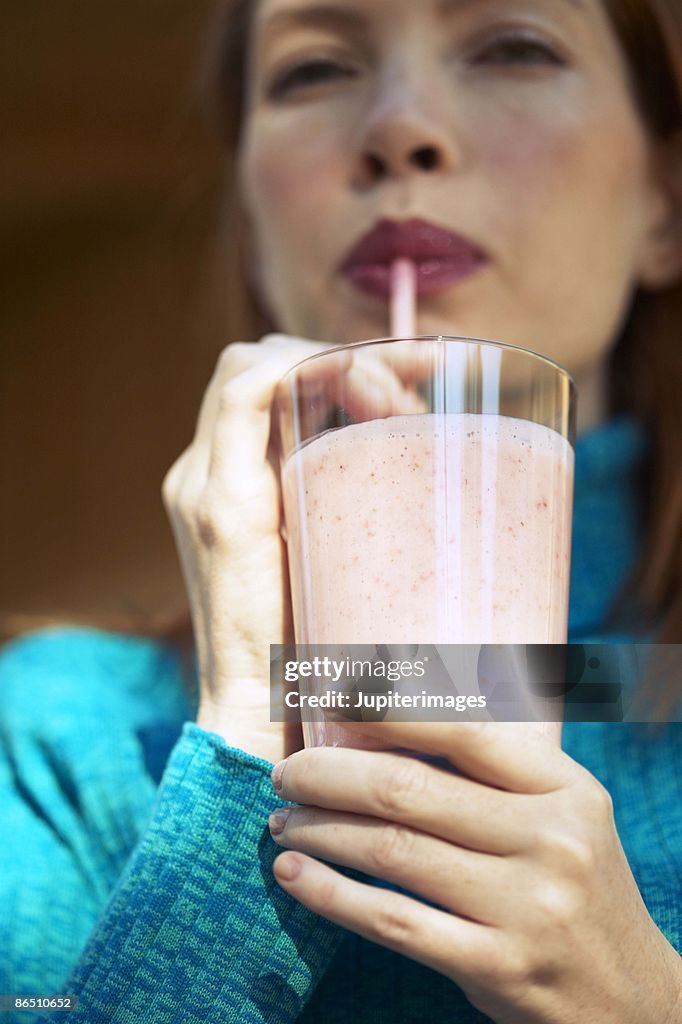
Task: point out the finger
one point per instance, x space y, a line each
236 359
172 482
372 380
314 370
242 427
382 390
411 361
365 388
456 948
513 756
399 788
462 881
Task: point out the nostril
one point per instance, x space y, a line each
425 158
376 168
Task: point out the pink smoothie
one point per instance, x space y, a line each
431 529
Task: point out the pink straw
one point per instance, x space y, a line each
403 298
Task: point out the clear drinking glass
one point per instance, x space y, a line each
427 487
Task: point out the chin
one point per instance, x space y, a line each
345 326
449 327
349 328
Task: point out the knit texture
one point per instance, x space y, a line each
136 867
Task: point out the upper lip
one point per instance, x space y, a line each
414 239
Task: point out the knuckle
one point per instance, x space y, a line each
185 504
230 396
510 971
398 788
184 511
171 481
238 358
391 924
390 848
590 800
205 521
569 851
472 736
599 799
231 358
275 340
328 893
557 906
168 488
182 502
579 857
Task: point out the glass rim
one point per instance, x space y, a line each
547 360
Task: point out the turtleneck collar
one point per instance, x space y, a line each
606 521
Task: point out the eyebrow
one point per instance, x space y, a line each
316 16
446 6
324 15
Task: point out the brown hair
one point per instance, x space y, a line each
646 366
647 362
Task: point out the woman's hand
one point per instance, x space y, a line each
541 919
223 499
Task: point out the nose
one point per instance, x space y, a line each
401 137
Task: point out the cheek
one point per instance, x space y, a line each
293 175
577 171
568 203
290 177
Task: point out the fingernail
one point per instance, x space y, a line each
276 774
288 868
278 820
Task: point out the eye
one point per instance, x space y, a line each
307 75
521 51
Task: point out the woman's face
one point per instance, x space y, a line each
508 124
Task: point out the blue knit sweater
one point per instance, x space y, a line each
135 866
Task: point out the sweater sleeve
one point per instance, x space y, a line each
148 895
197 928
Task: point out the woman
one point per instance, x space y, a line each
546 135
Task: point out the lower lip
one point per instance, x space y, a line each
433 275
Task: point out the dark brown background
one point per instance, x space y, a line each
109 212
